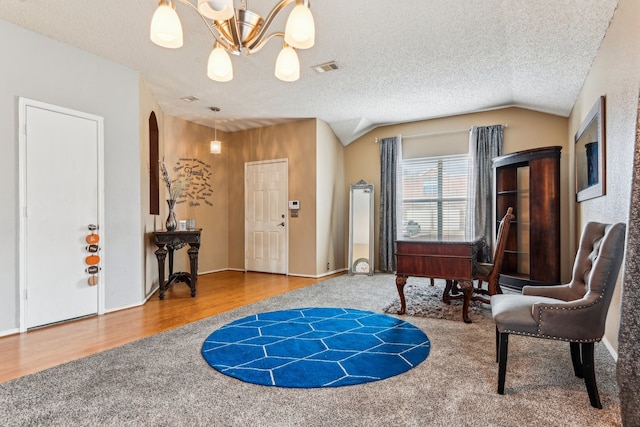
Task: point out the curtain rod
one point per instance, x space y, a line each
436 133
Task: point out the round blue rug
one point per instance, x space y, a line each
315 347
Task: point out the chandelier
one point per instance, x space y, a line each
238 31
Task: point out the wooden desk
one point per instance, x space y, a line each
450 260
174 240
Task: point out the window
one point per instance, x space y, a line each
434 197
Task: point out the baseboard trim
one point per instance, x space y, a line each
612 351
125 307
9 332
310 276
200 273
318 276
148 296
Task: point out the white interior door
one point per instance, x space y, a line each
266 206
59 179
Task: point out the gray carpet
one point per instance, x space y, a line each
163 380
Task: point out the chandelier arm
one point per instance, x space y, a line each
258 43
213 30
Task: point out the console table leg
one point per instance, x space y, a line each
193 257
400 282
161 254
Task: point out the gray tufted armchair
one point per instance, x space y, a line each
575 312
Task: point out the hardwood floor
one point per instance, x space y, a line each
39 349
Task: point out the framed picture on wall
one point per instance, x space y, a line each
590 154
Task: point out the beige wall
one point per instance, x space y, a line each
526 129
330 202
183 139
362 162
315 236
616 75
295 141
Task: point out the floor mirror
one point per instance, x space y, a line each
361 244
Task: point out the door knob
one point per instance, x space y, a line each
282 223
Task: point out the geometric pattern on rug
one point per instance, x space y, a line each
315 347
424 300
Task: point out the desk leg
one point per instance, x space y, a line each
467 290
193 256
446 295
161 254
400 282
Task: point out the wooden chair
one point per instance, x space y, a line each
488 273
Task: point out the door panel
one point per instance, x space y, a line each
266 217
61 188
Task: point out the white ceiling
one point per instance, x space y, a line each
399 61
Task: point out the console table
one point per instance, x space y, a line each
169 241
441 259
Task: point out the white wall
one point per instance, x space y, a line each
42 69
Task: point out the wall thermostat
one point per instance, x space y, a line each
294 204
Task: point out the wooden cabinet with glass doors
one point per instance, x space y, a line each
529 181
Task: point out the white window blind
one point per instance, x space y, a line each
434 197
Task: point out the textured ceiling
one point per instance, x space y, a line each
415 60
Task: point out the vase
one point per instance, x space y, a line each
171 223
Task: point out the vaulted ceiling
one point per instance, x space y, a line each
398 61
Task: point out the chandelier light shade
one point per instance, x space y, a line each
219 67
215 146
166 29
239 31
287 65
219 10
300 31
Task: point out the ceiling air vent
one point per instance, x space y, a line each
189 98
327 66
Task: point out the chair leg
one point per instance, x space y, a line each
502 364
590 374
576 359
497 286
497 344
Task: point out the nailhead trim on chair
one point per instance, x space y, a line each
540 310
509 331
539 335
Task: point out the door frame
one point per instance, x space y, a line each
24 103
286 228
